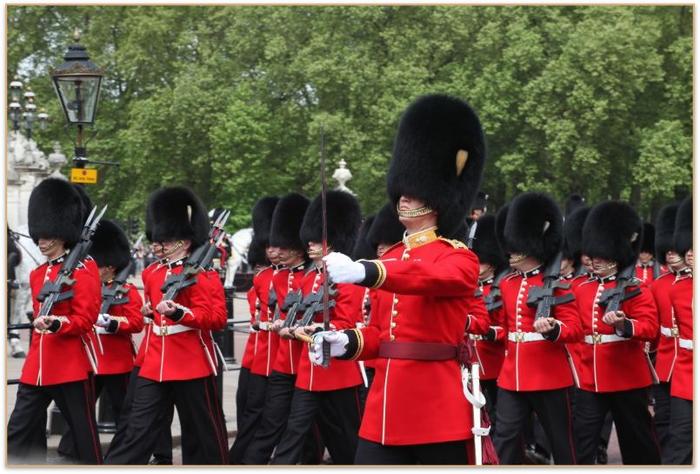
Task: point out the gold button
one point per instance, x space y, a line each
393 325
396 300
394 313
392 337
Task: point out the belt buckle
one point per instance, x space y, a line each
164 330
674 331
519 336
597 338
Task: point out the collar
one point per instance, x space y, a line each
297 268
58 259
647 265
175 263
487 281
569 276
687 271
606 279
531 273
420 238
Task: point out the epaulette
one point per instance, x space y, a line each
262 270
396 244
458 244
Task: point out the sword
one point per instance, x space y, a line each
324 242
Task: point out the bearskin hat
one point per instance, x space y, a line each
573 228
665 225
256 254
438 157
343 218
175 213
386 228
485 245
480 201
613 231
286 222
648 238
573 202
55 212
110 247
363 249
262 218
683 233
501 226
85 201
534 226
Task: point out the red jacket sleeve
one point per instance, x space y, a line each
131 311
642 312
570 329
197 304
478 321
348 306
85 304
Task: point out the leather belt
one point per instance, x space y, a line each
170 330
101 330
669 332
603 338
525 337
417 350
685 343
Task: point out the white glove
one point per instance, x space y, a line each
342 269
337 339
103 320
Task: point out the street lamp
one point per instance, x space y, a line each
24 116
77 83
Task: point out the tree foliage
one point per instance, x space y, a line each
231 100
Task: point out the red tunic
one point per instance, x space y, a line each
667 347
266 347
540 364
574 348
288 351
219 315
340 373
366 317
138 361
619 365
490 354
61 357
115 351
182 355
251 342
644 273
424 296
682 300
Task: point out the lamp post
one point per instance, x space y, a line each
23 112
77 83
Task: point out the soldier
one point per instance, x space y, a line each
667 347
113 330
328 396
532 236
57 365
682 300
612 237
177 366
573 202
647 270
284 234
426 284
264 258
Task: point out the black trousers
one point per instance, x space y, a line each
26 430
662 418
241 395
553 409
249 420
681 431
451 452
204 438
633 423
278 401
337 413
115 385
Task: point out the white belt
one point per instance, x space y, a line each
170 330
603 338
476 337
669 332
525 336
101 330
685 343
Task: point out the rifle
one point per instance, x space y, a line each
197 261
51 293
115 295
612 298
493 300
543 296
292 304
314 305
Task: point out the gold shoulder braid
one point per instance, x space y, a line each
458 244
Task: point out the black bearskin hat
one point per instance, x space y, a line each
665 225
501 226
648 238
256 254
286 222
485 245
683 233
262 218
386 228
613 231
534 226
363 249
438 157
573 202
55 212
480 201
573 229
175 213
343 218
85 202
110 247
